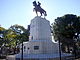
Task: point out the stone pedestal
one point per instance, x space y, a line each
40 29
40 41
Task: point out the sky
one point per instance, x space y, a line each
21 11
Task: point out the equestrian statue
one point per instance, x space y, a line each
37 8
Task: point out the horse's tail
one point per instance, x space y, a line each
45 14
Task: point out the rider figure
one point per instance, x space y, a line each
35 4
39 4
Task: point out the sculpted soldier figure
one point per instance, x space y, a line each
39 4
37 8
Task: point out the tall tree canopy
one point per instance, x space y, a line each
21 33
11 38
65 28
13 35
2 35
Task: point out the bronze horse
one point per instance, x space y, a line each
38 9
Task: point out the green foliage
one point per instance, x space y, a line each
22 34
2 35
65 28
13 36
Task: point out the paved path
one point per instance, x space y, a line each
77 59
2 59
11 57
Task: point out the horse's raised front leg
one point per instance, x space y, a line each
36 13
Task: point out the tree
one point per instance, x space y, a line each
65 28
13 36
10 38
2 35
21 32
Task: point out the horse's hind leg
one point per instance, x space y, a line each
41 13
